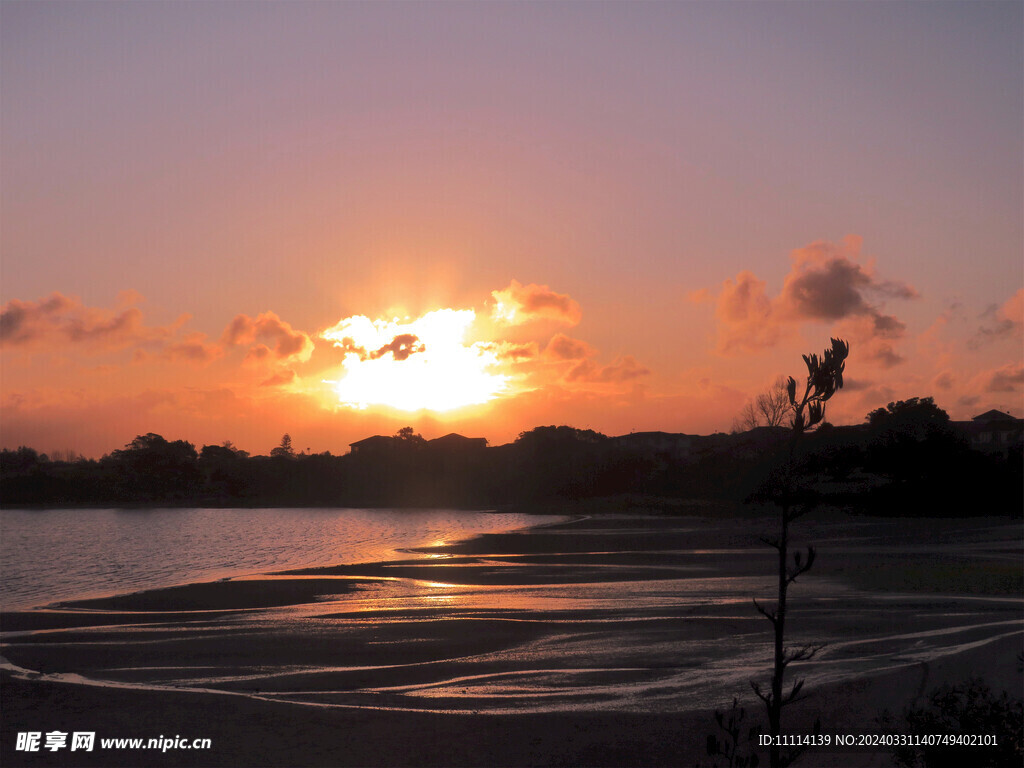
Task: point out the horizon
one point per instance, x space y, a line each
735 430
333 220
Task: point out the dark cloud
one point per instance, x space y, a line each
194 349
856 385
60 321
1008 378
348 345
826 282
400 347
826 291
1001 322
621 370
562 347
944 380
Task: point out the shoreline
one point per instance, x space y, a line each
347 640
144 561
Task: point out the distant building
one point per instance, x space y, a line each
993 431
450 443
673 445
375 444
454 442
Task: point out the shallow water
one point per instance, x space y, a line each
53 555
629 615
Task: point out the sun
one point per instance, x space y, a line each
411 365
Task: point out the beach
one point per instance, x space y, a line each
600 640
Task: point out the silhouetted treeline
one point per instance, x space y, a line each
908 459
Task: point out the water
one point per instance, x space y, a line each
611 613
62 554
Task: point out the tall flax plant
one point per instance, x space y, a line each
824 379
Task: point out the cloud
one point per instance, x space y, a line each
621 370
1006 321
417 364
521 303
281 340
745 315
286 376
258 353
400 347
193 349
944 380
62 321
856 385
872 337
826 283
1007 378
562 347
513 351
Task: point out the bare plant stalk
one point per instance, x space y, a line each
824 379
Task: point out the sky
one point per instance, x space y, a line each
228 221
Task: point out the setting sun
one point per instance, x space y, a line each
417 364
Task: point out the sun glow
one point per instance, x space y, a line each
415 364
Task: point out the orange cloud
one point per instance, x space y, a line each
826 282
193 349
286 376
1006 378
873 337
745 315
508 350
562 347
521 303
622 369
60 321
1006 321
64 323
283 341
944 380
995 384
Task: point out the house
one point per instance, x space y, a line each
375 444
993 431
672 445
450 443
456 443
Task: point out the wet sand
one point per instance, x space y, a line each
601 641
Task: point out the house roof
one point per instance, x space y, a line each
454 438
994 415
373 440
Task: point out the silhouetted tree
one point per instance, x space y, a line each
824 379
551 462
408 436
916 416
770 408
773 404
150 468
284 450
728 749
964 709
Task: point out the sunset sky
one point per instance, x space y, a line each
227 221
